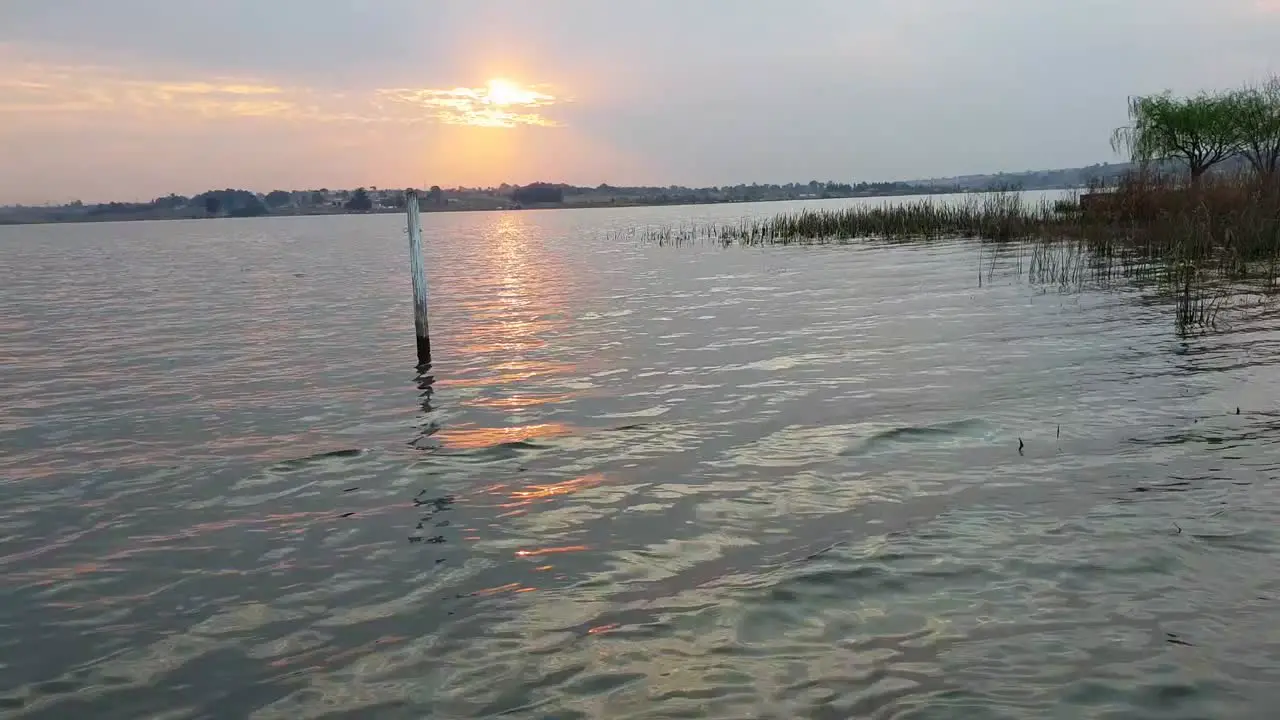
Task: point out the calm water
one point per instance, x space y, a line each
638 482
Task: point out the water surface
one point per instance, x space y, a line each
635 482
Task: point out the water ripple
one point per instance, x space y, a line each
636 482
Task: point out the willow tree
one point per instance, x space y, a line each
1258 119
1201 131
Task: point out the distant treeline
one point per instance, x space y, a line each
231 202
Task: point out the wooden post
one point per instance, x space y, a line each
417 267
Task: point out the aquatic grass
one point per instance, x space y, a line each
1232 220
1187 239
1200 242
999 217
1002 216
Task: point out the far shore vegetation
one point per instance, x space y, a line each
326 201
1197 214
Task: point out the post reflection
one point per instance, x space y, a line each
427 425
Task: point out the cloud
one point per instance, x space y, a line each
38 90
33 92
501 103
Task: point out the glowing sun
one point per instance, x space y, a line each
500 103
504 93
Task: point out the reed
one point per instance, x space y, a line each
1187 238
1002 216
998 217
1225 224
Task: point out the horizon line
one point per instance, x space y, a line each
380 188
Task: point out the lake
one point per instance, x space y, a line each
636 482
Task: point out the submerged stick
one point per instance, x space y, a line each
418 269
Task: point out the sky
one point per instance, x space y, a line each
133 99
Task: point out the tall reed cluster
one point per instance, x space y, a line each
1222 224
1194 238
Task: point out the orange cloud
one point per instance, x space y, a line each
33 90
501 103
38 89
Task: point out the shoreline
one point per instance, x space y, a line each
13 222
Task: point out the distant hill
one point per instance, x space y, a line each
1063 178
1034 179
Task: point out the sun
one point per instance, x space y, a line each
499 103
505 93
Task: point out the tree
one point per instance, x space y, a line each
360 201
278 198
538 193
170 202
233 203
1258 117
247 205
1202 131
435 195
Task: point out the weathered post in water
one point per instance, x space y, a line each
418 269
